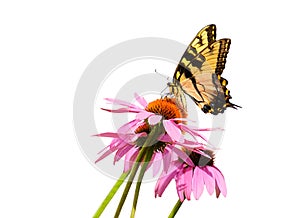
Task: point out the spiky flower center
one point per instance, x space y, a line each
201 160
165 107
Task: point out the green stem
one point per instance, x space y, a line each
175 209
139 182
151 139
130 180
111 194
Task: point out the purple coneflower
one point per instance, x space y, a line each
168 142
192 178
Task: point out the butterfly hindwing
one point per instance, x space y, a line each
199 71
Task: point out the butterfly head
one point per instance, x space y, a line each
206 108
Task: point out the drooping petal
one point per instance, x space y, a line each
129 158
143 115
122 110
188 175
138 135
150 162
180 119
167 156
113 142
121 152
128 127
119 144
173 131
124 139
197 183
106 153
219 180
208 180
218 192
107 134
186 129
157 159
165 138
191 144
154 119
180 184
123 103
191 131
164 181
209 129
141 100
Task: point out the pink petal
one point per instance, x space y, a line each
121 110
209 129
129 158
180 119
154 119
128 127
150 163
106 153
166 159
119 144
164 181
113 142
108 134
187 130
218 192
180 184
156 163
198 183
220 180
191 144
143 115
141 100
121 152
165 138
173 131
209 181
188 175
138 135
192 132
123 103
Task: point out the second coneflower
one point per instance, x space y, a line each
156 135
193 178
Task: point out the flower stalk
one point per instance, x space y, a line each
130 180
175 208
151 139
139 182
111 194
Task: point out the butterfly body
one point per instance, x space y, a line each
198 73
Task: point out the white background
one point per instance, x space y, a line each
45 47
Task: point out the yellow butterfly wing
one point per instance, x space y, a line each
198 73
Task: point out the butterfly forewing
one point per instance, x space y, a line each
203 39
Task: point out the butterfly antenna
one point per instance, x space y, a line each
162 75
163 92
